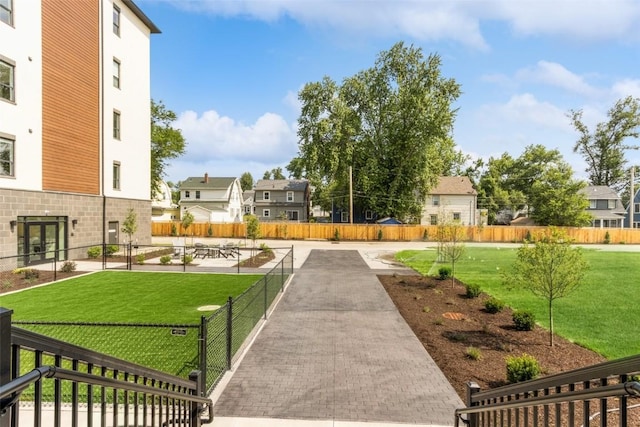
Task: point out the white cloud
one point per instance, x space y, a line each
214 137
526 110
458 20
555 74
626 87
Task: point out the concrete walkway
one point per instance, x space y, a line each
336 352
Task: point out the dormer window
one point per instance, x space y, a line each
187 194
593 204
266 195
611 203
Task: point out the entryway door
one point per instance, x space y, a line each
41 241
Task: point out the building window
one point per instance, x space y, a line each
266 195
435 200
593 204
6 11
247 209
344 216
116 175
611 204
116 20
368 214
116 73
456 216
636 208
266 213
116 125
289 196
6 156
187 194
433 220
292 215
197 194
7 88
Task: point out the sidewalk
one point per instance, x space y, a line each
336 352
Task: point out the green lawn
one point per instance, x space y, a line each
599 315
129 297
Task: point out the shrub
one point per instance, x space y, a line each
426 309
31 273
522 368
165 259
425 235
68 267
524 320
94 252
174 229
473 353
444 273
140 259
187 259
111 249
209 231
265 248
336 235
493 305
438 322
473 290
607 238
380 234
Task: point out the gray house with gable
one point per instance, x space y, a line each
282 199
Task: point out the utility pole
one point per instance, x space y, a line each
350 195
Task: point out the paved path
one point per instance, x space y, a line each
336 350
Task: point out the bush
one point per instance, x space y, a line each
166 259
68 267
524 320
607 238
493 305
473 291
380 235
209 231
94 252
444 273
522 368
31 273
187 259
111 249
473 353
140 259
264 248
336 235
174 229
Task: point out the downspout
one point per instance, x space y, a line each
101 74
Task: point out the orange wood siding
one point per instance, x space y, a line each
71 94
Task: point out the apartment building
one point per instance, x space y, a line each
74 124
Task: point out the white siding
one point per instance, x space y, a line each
132 100
448 205
22 44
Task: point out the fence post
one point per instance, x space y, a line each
229 331
266 286
203 351
5 356
472 388
194 413
55 268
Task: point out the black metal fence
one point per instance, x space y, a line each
177 349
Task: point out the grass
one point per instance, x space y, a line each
598 315
129 297
136 297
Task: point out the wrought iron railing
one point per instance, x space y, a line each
606 394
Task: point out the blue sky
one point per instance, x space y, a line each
231 69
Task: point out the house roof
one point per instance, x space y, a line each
281 184
600 192
459 185
206 182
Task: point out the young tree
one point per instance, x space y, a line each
130 224
551 268
187 220
451 236
391 124
246 181
166 142
253 230
603 149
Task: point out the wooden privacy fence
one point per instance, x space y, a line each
402 233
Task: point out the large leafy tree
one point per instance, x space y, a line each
166 142
551 268
246 181
275 173
391 124
604 148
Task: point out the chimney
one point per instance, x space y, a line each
206 178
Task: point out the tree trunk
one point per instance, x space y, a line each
551 323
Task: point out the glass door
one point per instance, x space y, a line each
41 241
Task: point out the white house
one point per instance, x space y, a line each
453 199
211 199
162 206
74 124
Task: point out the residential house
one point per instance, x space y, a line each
277 199
634 222
162 206
605 207
211 199
74 124
452 199
247 202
